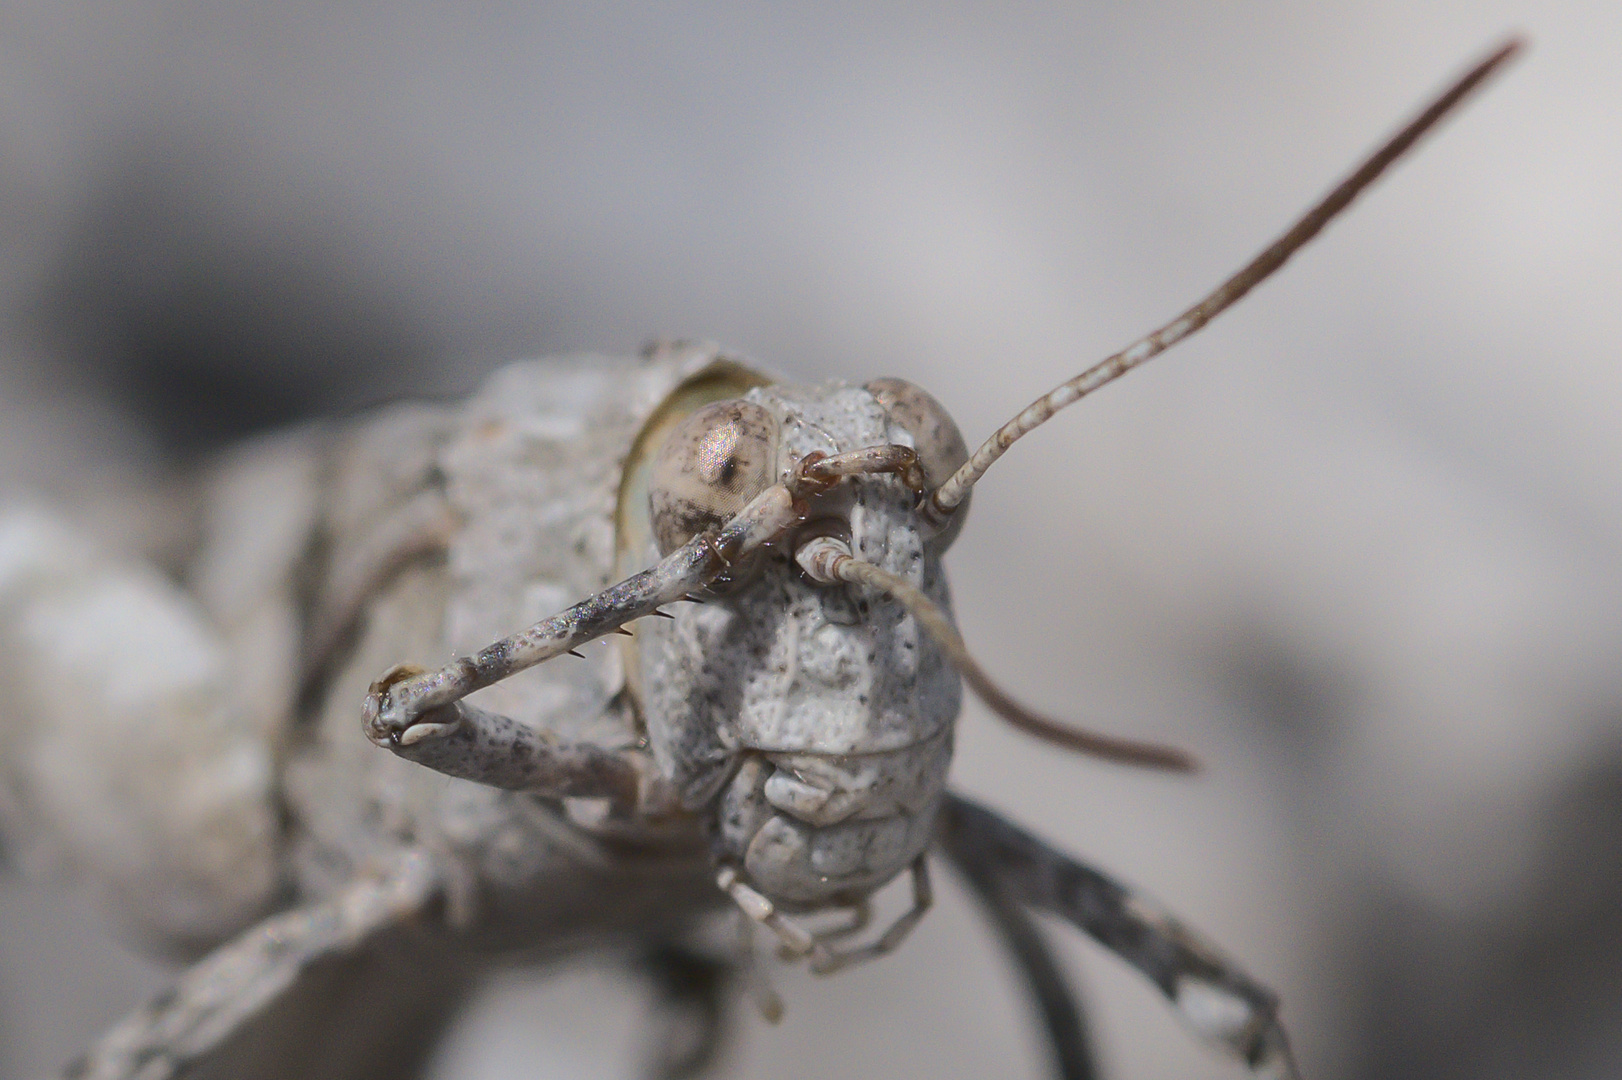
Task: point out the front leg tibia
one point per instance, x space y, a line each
470 743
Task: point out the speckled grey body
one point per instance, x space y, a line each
529 470
193 745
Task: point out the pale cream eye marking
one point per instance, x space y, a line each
708 469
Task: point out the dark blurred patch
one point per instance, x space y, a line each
1299 698
217 298
1533 990
692 1017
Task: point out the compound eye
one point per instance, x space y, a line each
934 433
708 469
935 437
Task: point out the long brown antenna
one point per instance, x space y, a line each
946 498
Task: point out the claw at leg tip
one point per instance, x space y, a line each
416 733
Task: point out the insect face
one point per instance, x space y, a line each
825 711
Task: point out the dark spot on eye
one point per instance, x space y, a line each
700 520
709 467
718 454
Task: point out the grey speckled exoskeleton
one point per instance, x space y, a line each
772 750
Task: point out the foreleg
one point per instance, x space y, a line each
464 741
1218 1001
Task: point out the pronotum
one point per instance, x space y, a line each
763 745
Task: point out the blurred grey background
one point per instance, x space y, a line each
1359 544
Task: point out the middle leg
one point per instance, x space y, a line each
798 941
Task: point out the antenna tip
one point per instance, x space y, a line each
1172 760
1512 46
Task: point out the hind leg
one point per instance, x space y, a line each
1218 1000
327 1025
690 1024
1061 1011
299 995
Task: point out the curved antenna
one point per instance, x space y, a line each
828 560
946 498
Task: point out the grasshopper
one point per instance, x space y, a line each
766 737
